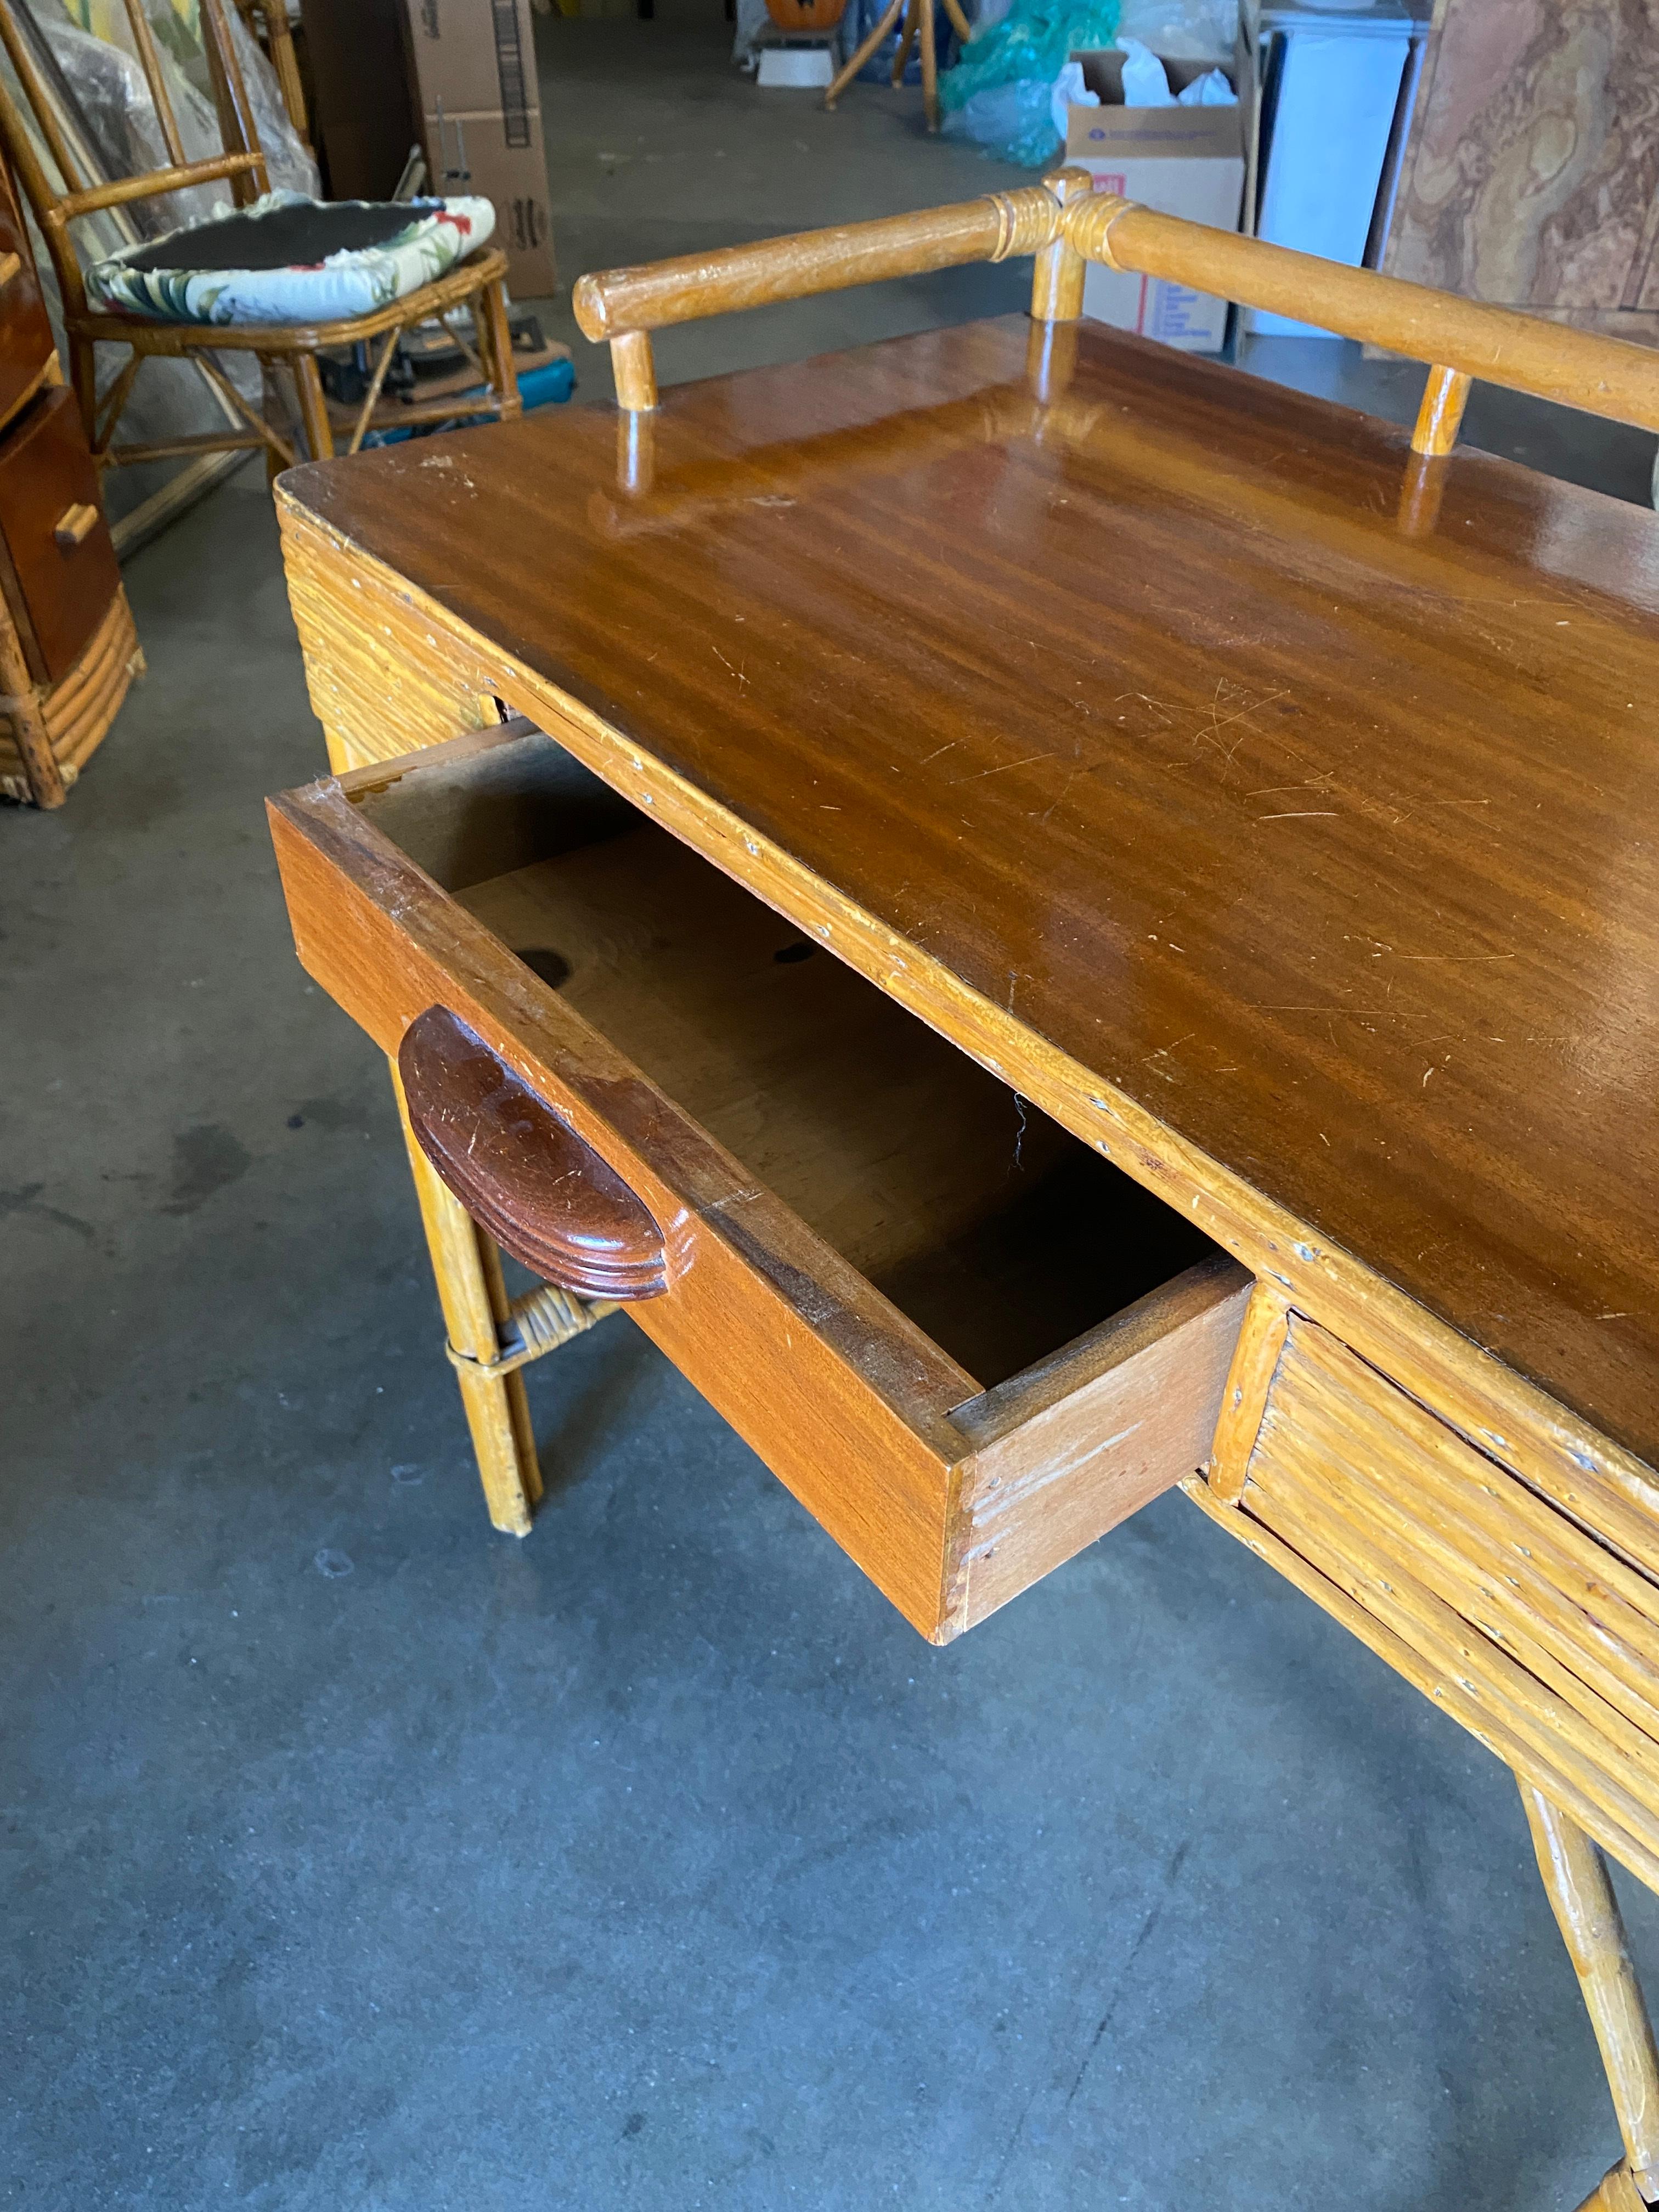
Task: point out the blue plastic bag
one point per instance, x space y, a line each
999 94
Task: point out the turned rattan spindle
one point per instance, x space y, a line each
1058 271
1576 1876
1050 360
1613 377
636 451
1421 490
1441 415
611 303
635 372
622 307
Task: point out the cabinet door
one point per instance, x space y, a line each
62 572
26 339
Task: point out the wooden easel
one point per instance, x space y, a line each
918 29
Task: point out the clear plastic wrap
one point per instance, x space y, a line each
1192 30
1001 92
114 119
106 112
125 112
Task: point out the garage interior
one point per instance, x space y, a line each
355 1857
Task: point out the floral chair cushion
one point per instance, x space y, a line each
289 259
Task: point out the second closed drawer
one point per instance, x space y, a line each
60 570
966 1342
1492 1596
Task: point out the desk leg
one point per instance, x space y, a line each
1576 1877
473 1297
1616 2192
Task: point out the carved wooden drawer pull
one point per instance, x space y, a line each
522 1173
75 525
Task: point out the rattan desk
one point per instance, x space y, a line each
1054 921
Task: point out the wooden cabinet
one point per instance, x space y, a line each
68 649
59 571
26 340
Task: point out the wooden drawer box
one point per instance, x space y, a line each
59 568
1541 1638
966 1342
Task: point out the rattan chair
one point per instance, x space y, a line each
268 21
475 283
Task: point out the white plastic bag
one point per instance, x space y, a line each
1144 81
1070 91
1210 90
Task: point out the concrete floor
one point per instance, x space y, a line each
356 1857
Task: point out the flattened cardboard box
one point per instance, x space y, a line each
473 67
1182 161
474 58
476 153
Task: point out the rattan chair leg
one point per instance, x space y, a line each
83 374
476 355
908 40
255 422
473 1295
115 403
492 327
313 408
21 706
855 62
365 413
1587 1911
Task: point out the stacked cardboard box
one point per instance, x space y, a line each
1189 162
473 62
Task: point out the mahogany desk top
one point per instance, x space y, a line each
1321 841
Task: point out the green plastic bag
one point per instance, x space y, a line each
1000 93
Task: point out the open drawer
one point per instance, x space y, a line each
966 1342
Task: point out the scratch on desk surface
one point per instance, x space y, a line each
1001 769
1218 721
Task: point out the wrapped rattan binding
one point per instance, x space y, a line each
538 1322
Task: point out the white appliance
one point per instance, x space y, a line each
1338 79
797 67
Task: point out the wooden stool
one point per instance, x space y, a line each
918 30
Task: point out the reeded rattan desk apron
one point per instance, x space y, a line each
1053 921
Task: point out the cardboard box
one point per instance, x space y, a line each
476 154
472 64
475 58
1182 161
